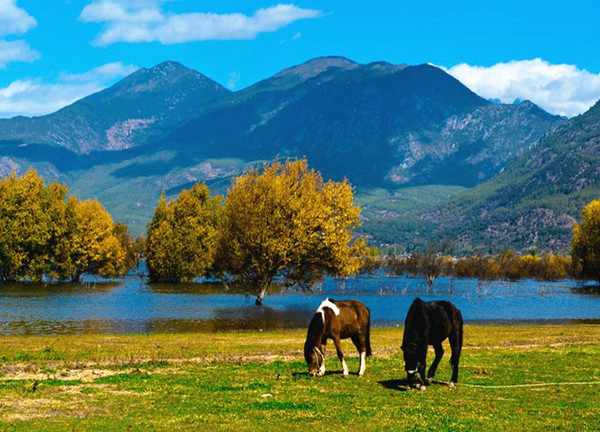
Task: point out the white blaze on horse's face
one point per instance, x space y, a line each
327 304
321 371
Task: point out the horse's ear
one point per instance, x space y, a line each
417 302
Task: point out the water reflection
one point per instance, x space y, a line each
133 306
593 290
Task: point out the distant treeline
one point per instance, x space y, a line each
507 266
582 264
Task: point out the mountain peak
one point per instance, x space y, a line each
164 75
170 70
169 67
316 66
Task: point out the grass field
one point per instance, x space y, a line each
257 381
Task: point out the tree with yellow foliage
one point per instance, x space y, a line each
27 214
285 221
45 236
585 249
181 238
134 246
94 248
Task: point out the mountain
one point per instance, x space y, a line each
532 204
405 136
125 115
377 124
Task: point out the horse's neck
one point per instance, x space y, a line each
419 325
317 330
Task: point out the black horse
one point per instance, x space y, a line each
430 323
337 320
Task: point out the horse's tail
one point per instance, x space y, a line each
368 336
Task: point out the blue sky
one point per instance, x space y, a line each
55 51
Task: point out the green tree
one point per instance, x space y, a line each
181 238
585 249
287 222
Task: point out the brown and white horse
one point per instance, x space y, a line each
337 320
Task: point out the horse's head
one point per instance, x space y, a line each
411 360
314 358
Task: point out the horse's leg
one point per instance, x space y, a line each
455 345
422 363
322 367
340 354
439 353
360 343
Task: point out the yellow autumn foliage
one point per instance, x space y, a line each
585 249
45 236
285 221
181 238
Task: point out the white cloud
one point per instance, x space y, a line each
34 97
558 88
146 21
16 51
13 19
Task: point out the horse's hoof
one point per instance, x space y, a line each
345 375
423 388
451 384
360 375
428 381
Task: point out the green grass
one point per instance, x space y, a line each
257 381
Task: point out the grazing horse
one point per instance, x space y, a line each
337 320
430 323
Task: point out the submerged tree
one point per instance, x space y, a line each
585 249
287 222
45 235
181 238
94 247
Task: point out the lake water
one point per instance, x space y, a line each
131 305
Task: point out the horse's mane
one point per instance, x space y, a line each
315 328
416 319
415 311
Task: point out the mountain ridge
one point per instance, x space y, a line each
379 125
120 116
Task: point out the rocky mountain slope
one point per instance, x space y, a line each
125 115
531 205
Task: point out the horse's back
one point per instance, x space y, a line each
444 319
354 317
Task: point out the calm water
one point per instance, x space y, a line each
133 306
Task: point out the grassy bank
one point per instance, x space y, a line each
257 380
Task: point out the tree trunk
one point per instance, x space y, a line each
261 293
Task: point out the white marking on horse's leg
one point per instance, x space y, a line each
345 367
363 363
451 384
322 369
